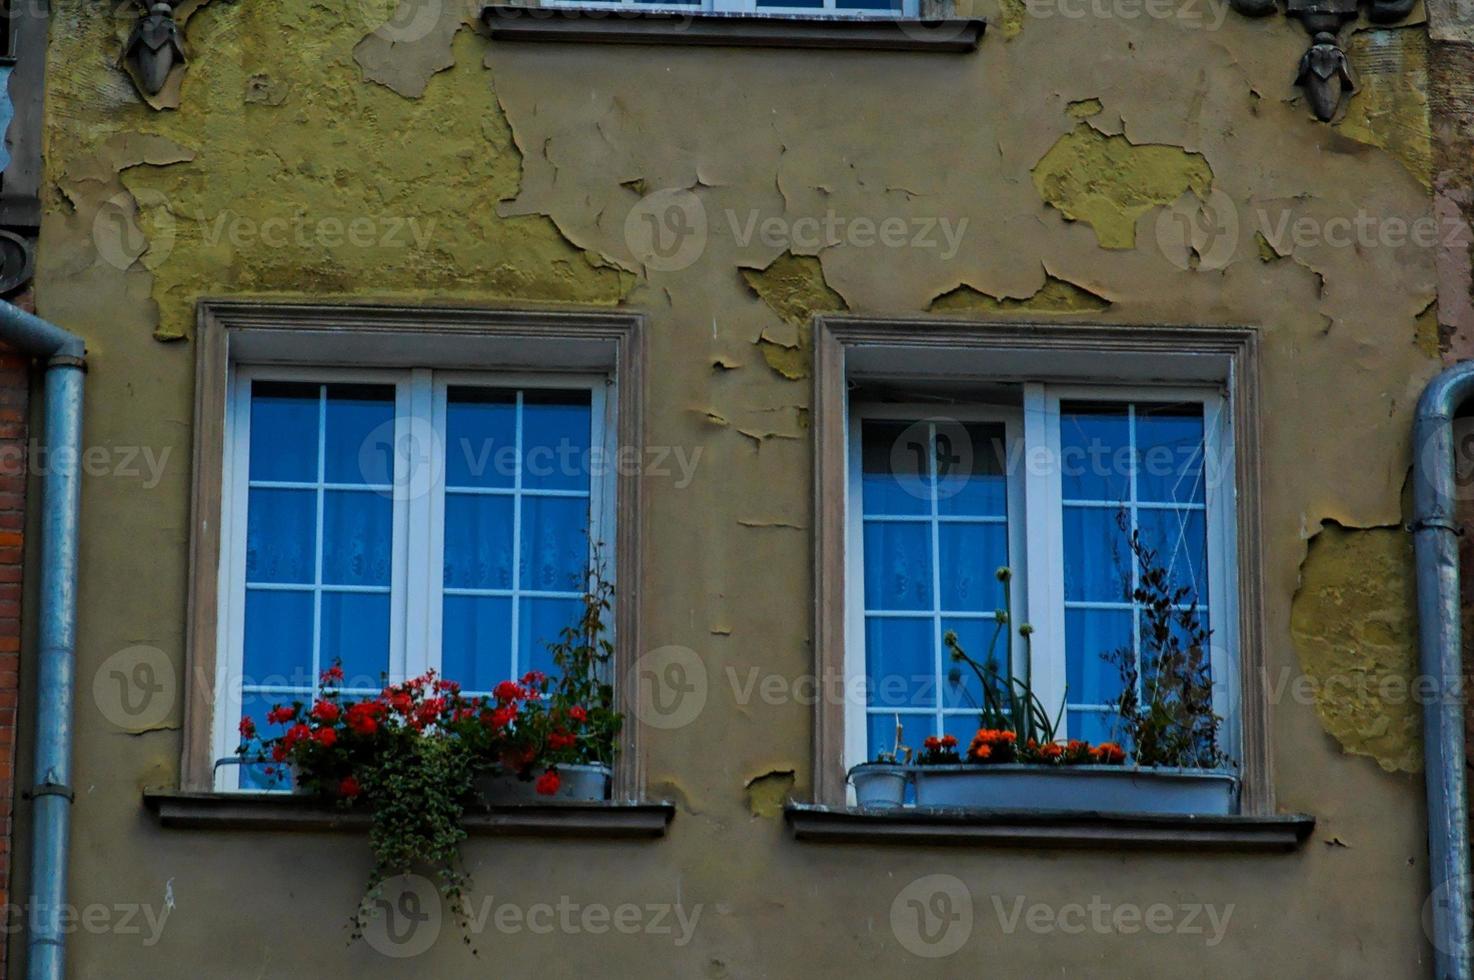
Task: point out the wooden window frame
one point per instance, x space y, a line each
1089 355
525 343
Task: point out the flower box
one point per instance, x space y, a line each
1102 789
576 783
880 785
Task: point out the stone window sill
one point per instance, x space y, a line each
1038 828
508 23
283 811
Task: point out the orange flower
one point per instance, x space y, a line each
980 752
1109 753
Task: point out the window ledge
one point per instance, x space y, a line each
1040 828
283 811
607 26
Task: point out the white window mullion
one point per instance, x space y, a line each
322 455
232 625
857 706
936 570
516 557
1220 491
1044 517
418 461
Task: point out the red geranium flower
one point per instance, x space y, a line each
297 733
507 691
325 737
326 712
578 714
547 783
279 715
560 740
278 753
349 787
247 728
332 674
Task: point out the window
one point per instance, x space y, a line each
403 517
943 498
820 8
950 450
401 521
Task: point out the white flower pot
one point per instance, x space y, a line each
880 785
576 783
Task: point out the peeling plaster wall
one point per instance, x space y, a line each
1065 151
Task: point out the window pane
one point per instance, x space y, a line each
1169 445
480 437
1090 634
1094 726
1154 641
1097 559
971 555
1095 451
900 665
355 630
358 538
963 727
281 536
278 642
1179 537
477 641
961 687
540 622
478 541
898 565
284 420
970 469
556 427
359 445
555 543
255 776
894 468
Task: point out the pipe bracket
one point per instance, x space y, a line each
51 789
1434 524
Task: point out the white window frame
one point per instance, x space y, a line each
1035 496
417 577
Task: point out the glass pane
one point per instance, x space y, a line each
539 623
355 630
961 726
278 641
480 437
478 541
1179 537
358 538
894 468
1169 445
961 687
1098 562
971 556
914 731
556 428
1157 639
900 666
898 570
1094 726
555 543
284 431
1091 635
476 641
970 469
281 536
1095 451
359 445
254 776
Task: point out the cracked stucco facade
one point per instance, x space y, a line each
504 173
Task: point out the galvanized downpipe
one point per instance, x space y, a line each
60 500
1436 550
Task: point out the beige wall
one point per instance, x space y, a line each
519 164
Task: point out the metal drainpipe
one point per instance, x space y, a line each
1436 550
61 491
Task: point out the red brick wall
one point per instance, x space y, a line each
14 394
